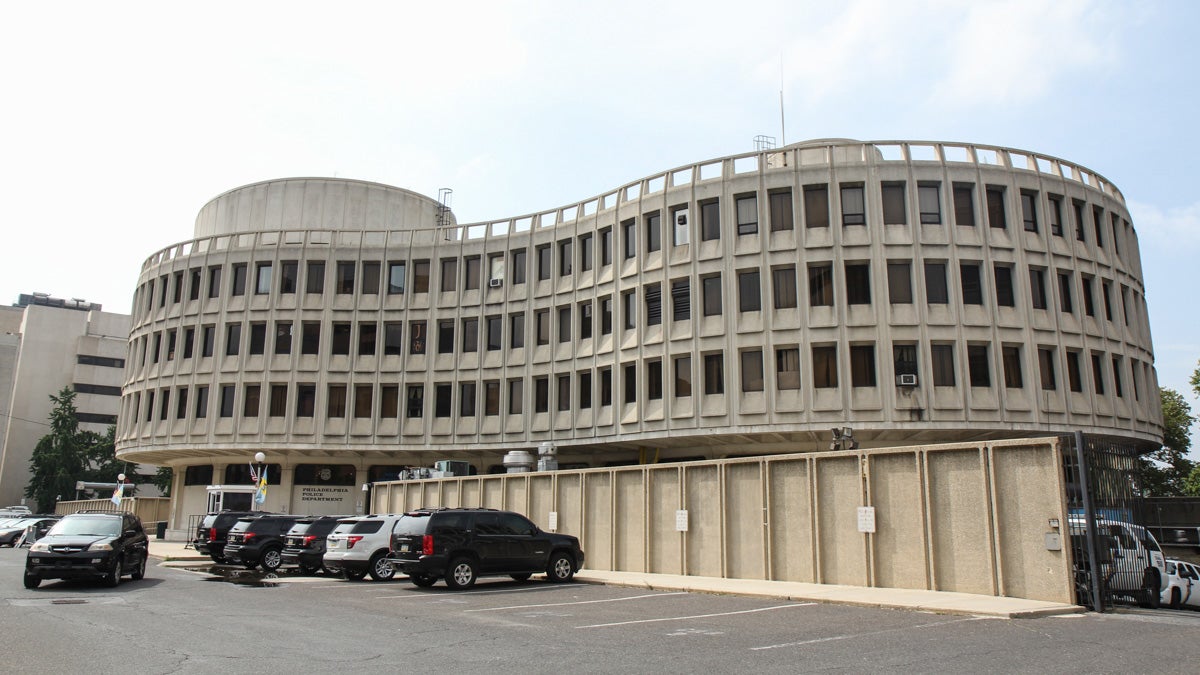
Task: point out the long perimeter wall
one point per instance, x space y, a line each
957 517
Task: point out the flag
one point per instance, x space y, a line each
261 496
117 494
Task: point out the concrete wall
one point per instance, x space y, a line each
954 517
149 509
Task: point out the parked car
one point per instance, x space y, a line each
257 541
461 545
210 534
89 545
14 529
1131 561
1191 573
1177 585
359 546
304 544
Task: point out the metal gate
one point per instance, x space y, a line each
1116 559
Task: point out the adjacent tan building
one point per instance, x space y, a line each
916 292
47 344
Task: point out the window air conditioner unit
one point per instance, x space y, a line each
906 380
495 283
681 227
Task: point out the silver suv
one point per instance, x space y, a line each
359 546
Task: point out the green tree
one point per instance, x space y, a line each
101 453
1165 472
162 480
60 457
1191 484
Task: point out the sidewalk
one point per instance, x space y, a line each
941 602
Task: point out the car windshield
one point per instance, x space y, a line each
19 523
104 527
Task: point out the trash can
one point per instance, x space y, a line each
160 529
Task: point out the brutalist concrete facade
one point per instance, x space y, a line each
916 292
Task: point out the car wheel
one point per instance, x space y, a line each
139 572
219 559
381 568
461 573
1151 593
423 580
113 578
310 570
32 581
271 558
355 575
561 568
523 576
1176 600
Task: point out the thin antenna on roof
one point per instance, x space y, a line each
782 128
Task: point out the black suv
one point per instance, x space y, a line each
304 544
89 545
256 541
210 534
461 545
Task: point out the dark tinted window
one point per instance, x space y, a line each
414 523
271 525
488 523
366 527
321 527
226 520
448 522
511 523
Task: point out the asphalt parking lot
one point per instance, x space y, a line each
210 618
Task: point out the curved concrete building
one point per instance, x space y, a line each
916 292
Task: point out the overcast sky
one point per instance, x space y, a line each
120 120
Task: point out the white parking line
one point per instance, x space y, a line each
467 594
579 602
697 616
834 638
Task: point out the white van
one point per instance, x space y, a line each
1131 561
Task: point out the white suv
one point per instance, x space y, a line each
359 546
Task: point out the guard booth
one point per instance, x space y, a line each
230 497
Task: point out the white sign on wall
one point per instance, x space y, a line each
552 525
681 520
866 519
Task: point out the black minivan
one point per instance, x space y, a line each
461 545
304 544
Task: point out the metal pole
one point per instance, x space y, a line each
1089 522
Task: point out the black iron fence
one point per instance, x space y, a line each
1117 560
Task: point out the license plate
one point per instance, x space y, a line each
404 548
333 543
